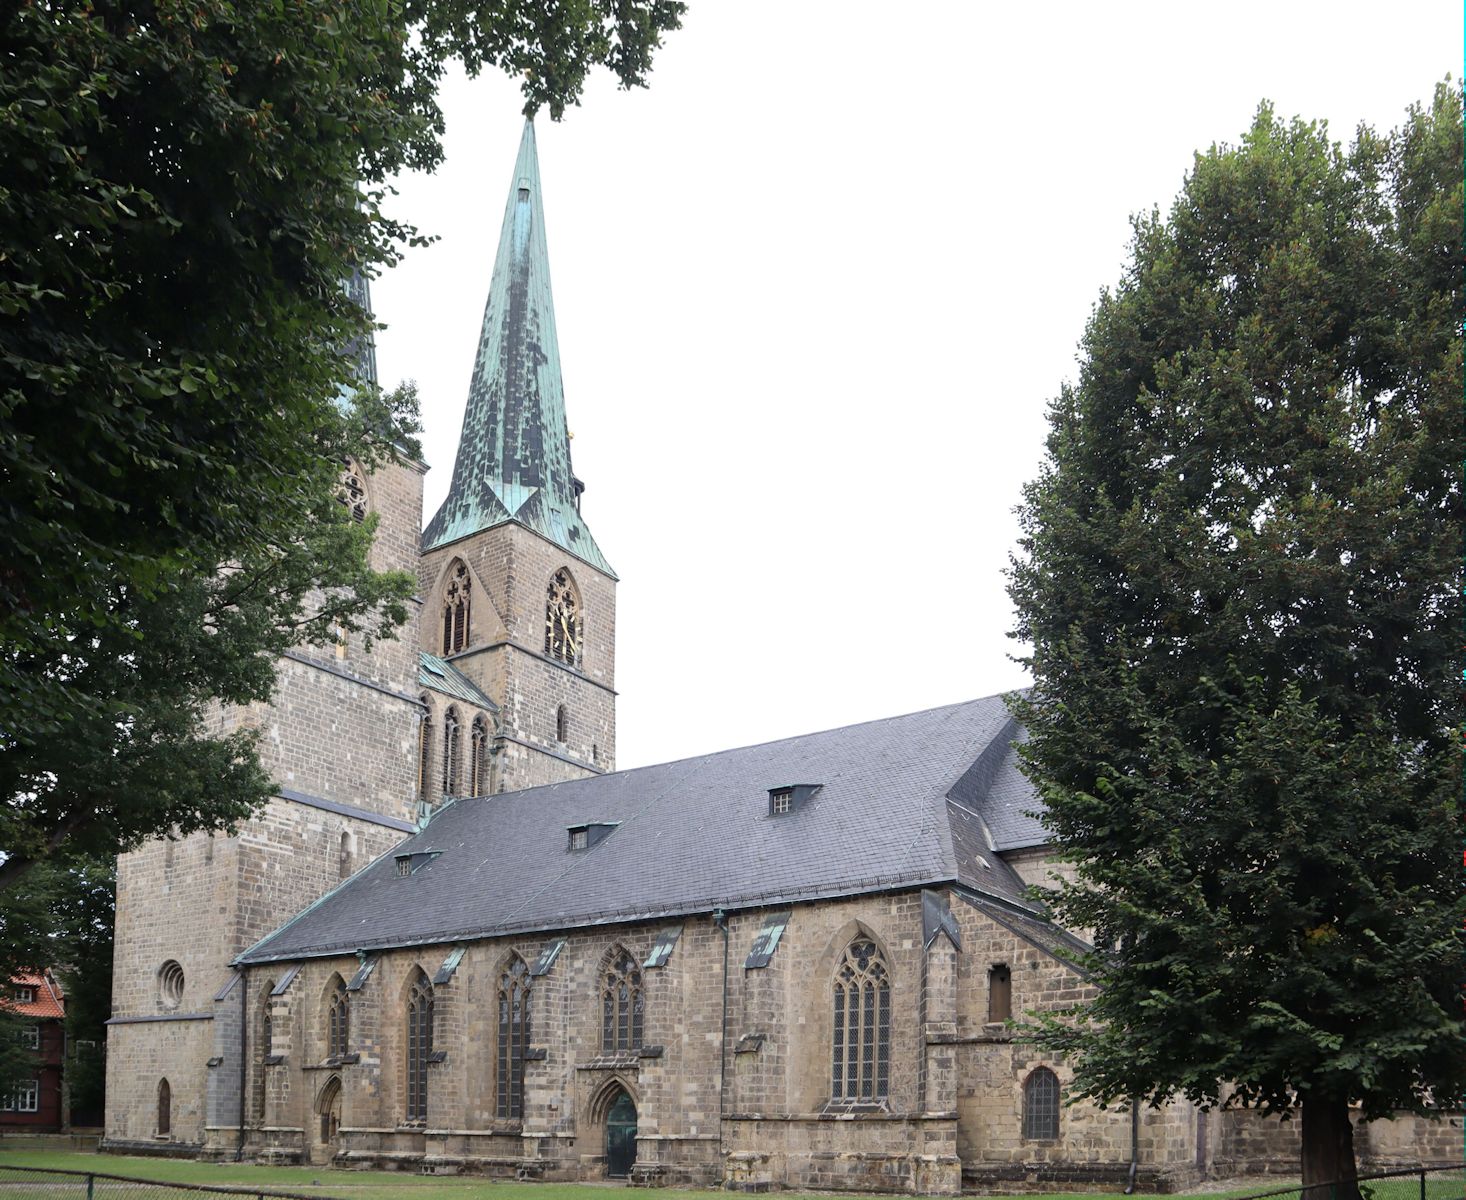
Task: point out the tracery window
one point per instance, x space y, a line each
1041 1105
478 758
424 748
861 1063
338 1020
457 610
450 753
514 986
419 1046
352 490
621 1005
562 619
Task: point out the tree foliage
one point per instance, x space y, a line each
1239 576
186 187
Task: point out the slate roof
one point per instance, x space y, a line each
690 836
1011 805
513 459
442 676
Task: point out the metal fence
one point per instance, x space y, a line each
44 1184
1415 1183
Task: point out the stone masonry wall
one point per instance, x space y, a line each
510 568
342 728
777 1125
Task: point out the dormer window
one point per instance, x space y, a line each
583 837
791 798
25 995
409 864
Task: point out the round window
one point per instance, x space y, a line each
170 984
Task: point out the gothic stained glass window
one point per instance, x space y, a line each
338 1020
562 619
419 1046
513 1038
478 758
621 1005
450 753
861 1061
1041 1105
457 608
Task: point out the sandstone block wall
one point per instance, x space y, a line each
511 569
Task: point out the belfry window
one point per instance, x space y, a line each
457 610
352 490
478 758
563 619
621 1005
450 753
513 1038
1041 1105
861 1063
419 1046
338 1020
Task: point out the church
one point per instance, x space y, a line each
457 939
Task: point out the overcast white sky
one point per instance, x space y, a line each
814 290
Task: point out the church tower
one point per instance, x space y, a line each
517 595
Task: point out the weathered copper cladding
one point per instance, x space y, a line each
514 453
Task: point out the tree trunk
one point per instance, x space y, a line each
1328 1148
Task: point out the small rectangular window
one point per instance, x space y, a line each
25 995
579 839
404 866
781 801
30 1037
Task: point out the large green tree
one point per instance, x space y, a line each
1239 579
186 187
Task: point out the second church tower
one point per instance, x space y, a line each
517 594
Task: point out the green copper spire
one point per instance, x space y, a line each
514 453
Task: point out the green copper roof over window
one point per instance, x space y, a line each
514 454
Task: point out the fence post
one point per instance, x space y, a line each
91 1183
1422 1183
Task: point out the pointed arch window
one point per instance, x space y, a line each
562 724
478 758
457 608
514 993
424 747
351 491
338 1020
450 753
419 1046
1041 1105
262 1054
563 619
861 1063
165 1108
621 1005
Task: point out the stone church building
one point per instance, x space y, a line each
457 939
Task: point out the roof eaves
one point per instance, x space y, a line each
625 917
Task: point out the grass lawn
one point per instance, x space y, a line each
376 1185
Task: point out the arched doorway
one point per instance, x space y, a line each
328 1111
620 1136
